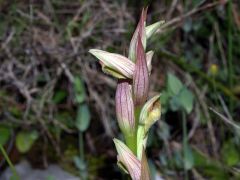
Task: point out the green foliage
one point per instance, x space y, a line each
59 96
25 140
176 96
82 166
15 111
5 133
174 85
230 153
188 158
83 113
209 167
186 99
80 93
82 123
83 117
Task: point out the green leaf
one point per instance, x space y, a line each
163 131
83 117
15 111
5 133
174 85
188 158
66 118
82 167
79 163
174 103
59 96
186 99
164 97
79 90
209 167
25 140
230 154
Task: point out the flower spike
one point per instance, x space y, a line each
134 113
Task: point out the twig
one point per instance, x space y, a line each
171 9
4 153
228 121
194 11
225 108
201 99
219 42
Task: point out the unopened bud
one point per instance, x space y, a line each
125 107
140 76
139 30
151 29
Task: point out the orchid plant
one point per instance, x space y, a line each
135 114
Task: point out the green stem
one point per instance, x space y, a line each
81 145
9 163
82 172
131 139
215 92
131 143
229 51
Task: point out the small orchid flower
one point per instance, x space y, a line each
117 65
138 170
150 113
114 64
128 160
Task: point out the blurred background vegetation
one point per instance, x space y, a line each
56 106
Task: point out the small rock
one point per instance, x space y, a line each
25 171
